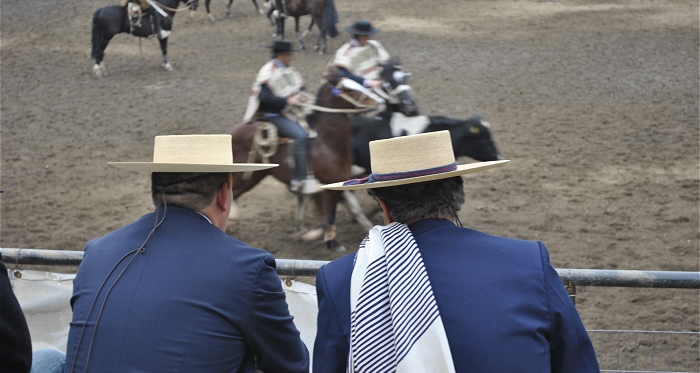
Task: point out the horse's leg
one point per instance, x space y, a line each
351 202
321 41
330 202
300 36
164 50
209 15
302 204
257 8
273 22
228 7
309 27
280 28
193 8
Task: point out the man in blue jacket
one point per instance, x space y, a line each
172 292
423 294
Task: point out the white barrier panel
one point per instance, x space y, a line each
45 301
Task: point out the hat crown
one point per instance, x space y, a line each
411 153
365 26
193 149
282 46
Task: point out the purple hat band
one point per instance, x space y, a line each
402 175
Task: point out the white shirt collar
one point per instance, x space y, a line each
205 217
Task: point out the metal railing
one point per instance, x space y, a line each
639 351
633 351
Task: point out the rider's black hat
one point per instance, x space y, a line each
281 46
362 28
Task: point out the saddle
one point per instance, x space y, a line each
266 141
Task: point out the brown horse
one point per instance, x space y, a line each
323 14
330 152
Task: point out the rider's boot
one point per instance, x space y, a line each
302 181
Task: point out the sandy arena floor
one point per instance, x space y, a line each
595 102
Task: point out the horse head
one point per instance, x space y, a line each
356 97
396 89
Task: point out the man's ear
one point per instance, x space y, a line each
222 197
385 211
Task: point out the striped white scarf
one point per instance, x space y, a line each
395 322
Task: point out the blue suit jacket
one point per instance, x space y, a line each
196 300
502 304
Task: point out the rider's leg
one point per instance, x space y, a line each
289 128
155 17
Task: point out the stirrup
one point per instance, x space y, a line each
310 185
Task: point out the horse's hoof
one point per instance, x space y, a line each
192 12
99 70
261 12
274 34
168 66
312 235
211 17
335 246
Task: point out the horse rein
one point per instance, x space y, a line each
393 94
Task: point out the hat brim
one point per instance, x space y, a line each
461 170
189 167
355 31
282 50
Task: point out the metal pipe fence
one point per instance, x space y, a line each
624 351
639 351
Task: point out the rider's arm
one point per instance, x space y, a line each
269 102
347 74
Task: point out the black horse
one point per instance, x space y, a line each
470 137
114 19
323 14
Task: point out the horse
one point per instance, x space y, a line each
323 13
330 151
228 9
114 19
470 137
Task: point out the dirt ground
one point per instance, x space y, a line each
595 102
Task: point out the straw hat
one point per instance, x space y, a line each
410 160
192 153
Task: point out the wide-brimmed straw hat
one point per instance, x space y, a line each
362 28
192 153
412 159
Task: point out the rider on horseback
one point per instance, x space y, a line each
155 17
360 58
277 89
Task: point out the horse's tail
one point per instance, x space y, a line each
96 34
330 18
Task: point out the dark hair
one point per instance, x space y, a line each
193 191
432 199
